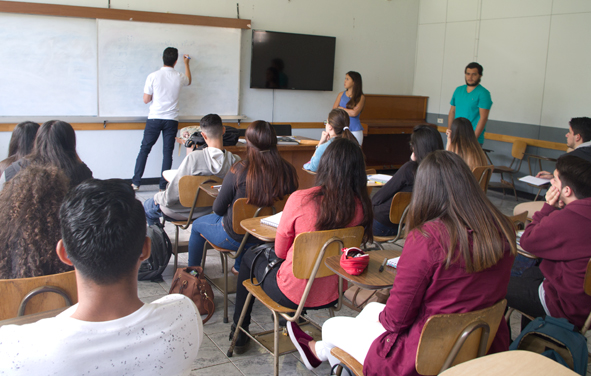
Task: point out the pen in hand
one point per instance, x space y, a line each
381 269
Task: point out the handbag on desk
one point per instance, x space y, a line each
191 282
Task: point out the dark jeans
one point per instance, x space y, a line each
269 287
383 230
522 293
152 131
153 213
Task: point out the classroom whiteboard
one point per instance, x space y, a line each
48 65
129 51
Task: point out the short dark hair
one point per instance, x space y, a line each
103 229
170 56
212 125
423 140
473 65
581 126
575 172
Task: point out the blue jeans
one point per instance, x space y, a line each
153 213
212 228
382 230
152 131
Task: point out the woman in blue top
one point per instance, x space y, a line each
336 126
352 100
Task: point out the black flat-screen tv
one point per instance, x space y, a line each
291 61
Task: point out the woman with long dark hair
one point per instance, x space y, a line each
338 200
423 140
21 143
263 177
55 145
29 223
337 125
457 258
352 101
461 140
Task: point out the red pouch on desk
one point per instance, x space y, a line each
354 260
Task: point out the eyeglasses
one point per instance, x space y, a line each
325 122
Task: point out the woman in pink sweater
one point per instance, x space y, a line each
338 200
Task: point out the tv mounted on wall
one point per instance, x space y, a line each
291 61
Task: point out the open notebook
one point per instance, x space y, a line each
273 220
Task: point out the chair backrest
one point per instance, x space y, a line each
13 291
482 175
518 149
519 220
308 246
370 171
241 210
442 336
400 202
189 186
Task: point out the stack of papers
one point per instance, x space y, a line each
379 178
534 181
273 220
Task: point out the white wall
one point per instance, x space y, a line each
535 55
375 37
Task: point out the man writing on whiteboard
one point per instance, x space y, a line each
471 101
162 88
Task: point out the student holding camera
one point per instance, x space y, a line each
212 160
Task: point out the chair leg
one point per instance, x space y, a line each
239 325
275 344
331 312
514 190
225 271
338 370
176 248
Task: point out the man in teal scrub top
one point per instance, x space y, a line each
471 101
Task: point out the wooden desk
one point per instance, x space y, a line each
263 232
208 188
510 363
34 317
297 155
371 278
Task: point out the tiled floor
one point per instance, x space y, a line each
256 361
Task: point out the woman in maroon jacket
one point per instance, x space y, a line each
457 258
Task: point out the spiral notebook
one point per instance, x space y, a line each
273 220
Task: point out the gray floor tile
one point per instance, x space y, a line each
147 288
209 355
263 365
226 369
223 343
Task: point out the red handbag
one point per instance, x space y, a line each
354 260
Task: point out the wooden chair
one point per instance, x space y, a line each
398 211
309 172
519 220
517 152
450 339
482 175
192 197
348 361
25 296
310 251
240 211
370 171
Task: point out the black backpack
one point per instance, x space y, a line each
152 268
230 138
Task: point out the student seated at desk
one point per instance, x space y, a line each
336 126
338 200
263 177
212 160
423 140
110 330
457 258
29 223
461 140
558 235
21 143
55 145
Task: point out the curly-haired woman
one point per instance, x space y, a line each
29 222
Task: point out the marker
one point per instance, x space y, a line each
188 57
381 269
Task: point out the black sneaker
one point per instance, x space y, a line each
241 342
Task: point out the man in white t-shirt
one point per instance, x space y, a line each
110 331
162 88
